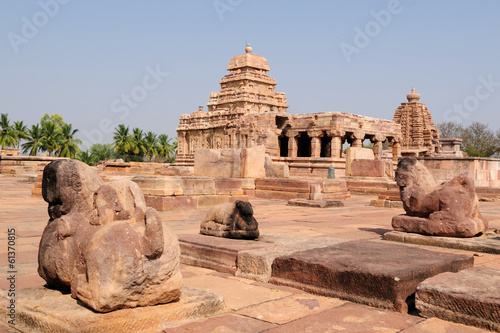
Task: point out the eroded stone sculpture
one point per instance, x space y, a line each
104 243
450 209
232 220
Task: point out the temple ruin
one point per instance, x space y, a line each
248 112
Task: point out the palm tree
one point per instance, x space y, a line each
121 137
151 145
86 157
164 147
33 143
51 137
7 134
68 145
101 152
21 131
137 142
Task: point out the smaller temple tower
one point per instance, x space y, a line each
420 136
247 87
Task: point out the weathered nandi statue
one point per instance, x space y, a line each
450 209
232 220
104 243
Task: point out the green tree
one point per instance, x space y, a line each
33 141
121 139
479 140
53 118
151 145
165 149
137 142
86 157
51 137
101 152
450 130
68 144
21 132
8 136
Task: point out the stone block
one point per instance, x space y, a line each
470 297
216 253
373 273
353 153
218 163
280 195
276 169
253 162
159 185
229 186
198 186
247 183
368 168
163 203
315 203
46 310
283 185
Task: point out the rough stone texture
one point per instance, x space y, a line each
276 169
49 311
226 323
162 203
419 133
450 209
230 163
471 297
232 220
371 168
315 203
256 263
198 186
68 188
132 260
377 274
216 253
485 244
104 242
159 185
356 153
350 318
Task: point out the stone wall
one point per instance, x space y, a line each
484 171
22 165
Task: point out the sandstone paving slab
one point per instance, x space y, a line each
237 293
225 323
379 274
434 325
256 264
315 203
290 308
216 253
471 297
480 244
44 310
352 318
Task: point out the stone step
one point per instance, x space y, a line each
470 297
372 273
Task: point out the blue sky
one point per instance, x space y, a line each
145 63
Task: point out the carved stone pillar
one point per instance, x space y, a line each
315 143
292 144
377 150
396 151
357 139
336 147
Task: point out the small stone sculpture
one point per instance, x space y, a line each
450 209
232 220
104 243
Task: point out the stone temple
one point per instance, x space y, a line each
248 112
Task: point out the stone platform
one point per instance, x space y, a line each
45 310
250 259
471 297
377 274
315 203
488 243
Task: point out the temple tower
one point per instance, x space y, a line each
247 87
420 136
